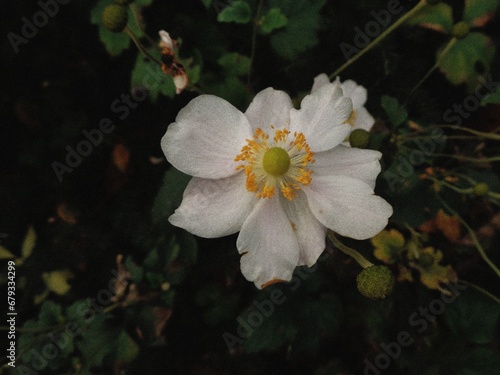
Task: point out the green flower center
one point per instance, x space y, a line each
276 161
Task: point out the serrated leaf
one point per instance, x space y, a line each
438 17
491 98
300 32
237 11
148 74
397 115
170 194
234 64
459 63
274 19
479 12
473 317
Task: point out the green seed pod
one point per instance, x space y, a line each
375 282
359 138
123 2
115 18
481 189
460 30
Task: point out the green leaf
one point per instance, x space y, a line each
170 194
148 74
491 98
97 340
126 348
300 32
273 20
437 17
459 63
397 115
5 254
479 12
237 11
234 64
207 3
473 317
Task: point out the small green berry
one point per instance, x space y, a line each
460 30
359 138
115 17
375 282
123 2
481 189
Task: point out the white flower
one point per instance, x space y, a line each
359 118
277 175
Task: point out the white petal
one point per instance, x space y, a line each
319 81
206 137
310 232
214 208
180 82
360 164
268 244
269 107
166 41
321 117
356 92
347 206
364 120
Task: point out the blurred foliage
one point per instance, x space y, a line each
105 285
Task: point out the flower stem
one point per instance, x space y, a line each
443 53
484 291
254 40
381 37
139 45
362 261
473 236
138 22
466 158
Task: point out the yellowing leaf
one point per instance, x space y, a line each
449 225
388 246
437 17
5 254
432 274
28 243
57 281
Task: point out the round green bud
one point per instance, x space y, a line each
359 138
123 2
115 17
460 30
375 282
481 189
